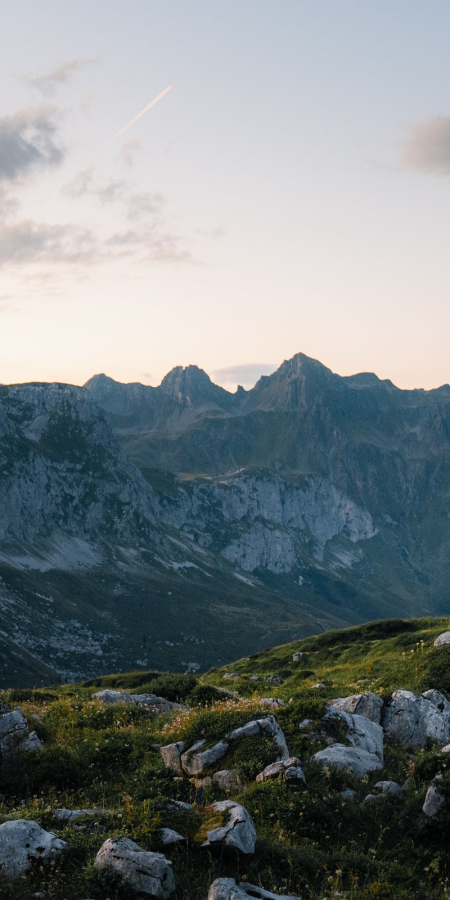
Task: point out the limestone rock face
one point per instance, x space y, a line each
349 759
410 719
289 769
368 705
228 889
146 872
239 832
442 639
22 841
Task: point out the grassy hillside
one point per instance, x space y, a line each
311 842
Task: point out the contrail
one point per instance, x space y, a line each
139 115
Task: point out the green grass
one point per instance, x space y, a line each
105 757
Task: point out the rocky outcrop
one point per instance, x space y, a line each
228 889
146 872
239 832
22 842
410 719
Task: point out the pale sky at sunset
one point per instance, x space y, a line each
290 193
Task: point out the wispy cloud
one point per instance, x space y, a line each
29 141
246 374
427 146
48 83
27 241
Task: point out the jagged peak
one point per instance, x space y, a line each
190 384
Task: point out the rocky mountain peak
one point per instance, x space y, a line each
191 385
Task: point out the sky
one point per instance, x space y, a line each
290 193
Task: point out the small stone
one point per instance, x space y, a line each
434 804
169 836
228 889
289 769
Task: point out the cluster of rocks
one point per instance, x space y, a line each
15 733
193 760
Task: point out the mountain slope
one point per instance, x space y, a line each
107 768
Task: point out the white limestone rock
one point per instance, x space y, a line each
361 732
195 760
367 704
171 755
15 736
268 726
389 787
442 639
108 696
146 872
349 759
290 770
22 841
434 806
169 836
238 833
67 816
410 719
228 889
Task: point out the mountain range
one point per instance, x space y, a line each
183 524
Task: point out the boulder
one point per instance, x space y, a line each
228 780
442 639
22 841
254 677
108 696
171 755
272 702
360 731
14 734
349 759
156 704
238 833
289 769
274 679
267 726
169 836
146 872
228 889
32 742
67 816
389 787
368 705
434 806
410 719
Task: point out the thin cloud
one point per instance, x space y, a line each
129 150
150 246
47 84
27 241
427 147
29 141
85 183
245 374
